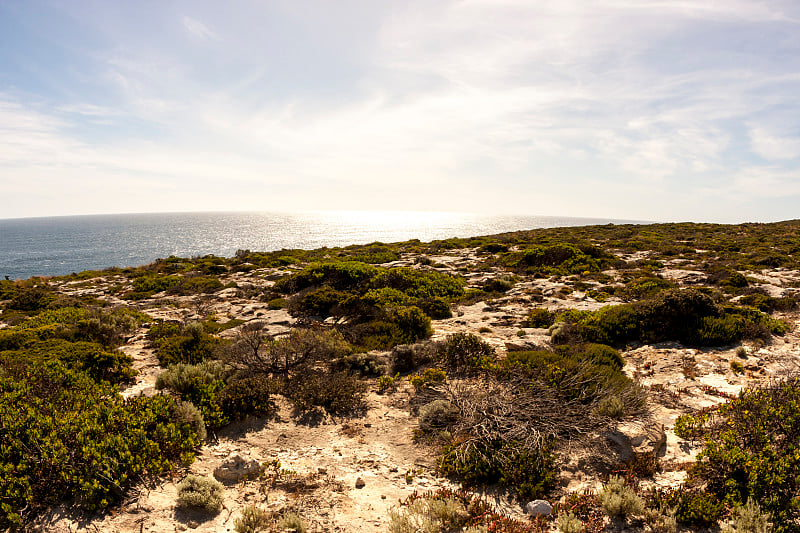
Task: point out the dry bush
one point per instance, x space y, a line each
254 351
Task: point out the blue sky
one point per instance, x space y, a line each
648 110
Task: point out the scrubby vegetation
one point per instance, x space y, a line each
361 318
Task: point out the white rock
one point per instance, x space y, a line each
538 507
236 468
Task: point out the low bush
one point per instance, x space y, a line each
247 396
363 364
436 415
749 518
339 393
407 357
192 345
539 318
200 493
691 506
252 520
428 377
463 352
750 450
293 522
429 515
101 364
66 436
619 500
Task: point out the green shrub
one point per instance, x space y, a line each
201 493
407 357
438 414
500 284
429 515
611 406
539 318
414 324
693 507
436 307
187 413
247 396
101 364
338 393
750 451
291 521
428 377
530 472
193 345
323 302
342 276
749 518
620 500
363 364
569 523
66 436
200 385
418 283
464 352
253 520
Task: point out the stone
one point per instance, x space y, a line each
360 483
237 468
631 440
538 507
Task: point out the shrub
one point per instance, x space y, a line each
201 493
569 523
187 413
437 307
438 414
101 364
539 318
500 284
198 384
611 406
464 352
750 451
529 471
322 302
338 393
406 357
66 436
691 506
429 515
388 383
247 396
418 283
363 364
620 500
293 522
414 324
749 518
253 520
428 377
193 345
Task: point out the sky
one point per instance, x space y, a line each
630 109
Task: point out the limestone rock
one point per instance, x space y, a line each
631 440
237 468
538 507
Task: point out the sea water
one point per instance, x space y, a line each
53 246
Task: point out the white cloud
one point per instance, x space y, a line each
771 146
198 29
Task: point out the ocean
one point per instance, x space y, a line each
54 246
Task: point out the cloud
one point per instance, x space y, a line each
774 147
198 29
612 108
